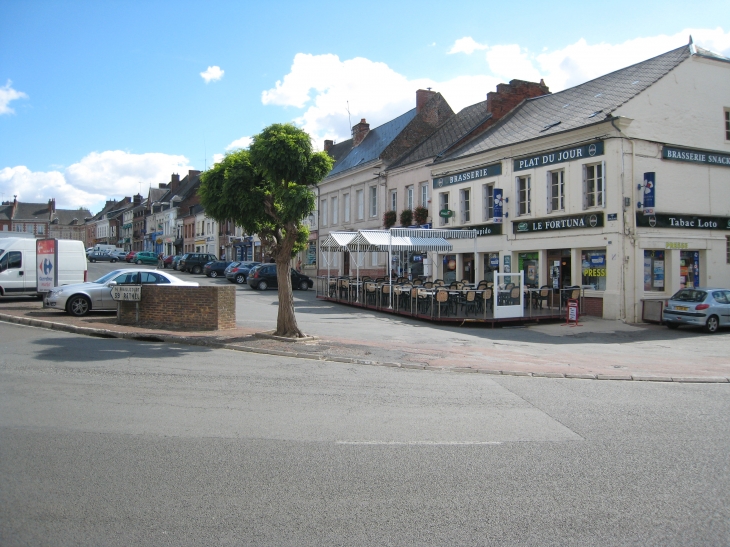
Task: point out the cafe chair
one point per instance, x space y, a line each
469 302
515 296
370 293
487 299
542 296
442 302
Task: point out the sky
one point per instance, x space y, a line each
101 99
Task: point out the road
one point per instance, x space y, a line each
114 442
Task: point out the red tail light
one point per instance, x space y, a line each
255 274
702 306
234 270
86 275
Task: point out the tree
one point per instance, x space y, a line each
267 190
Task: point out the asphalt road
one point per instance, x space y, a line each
114 442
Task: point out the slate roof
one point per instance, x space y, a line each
455 128
31 211
573 108
372 146
66 216
6 212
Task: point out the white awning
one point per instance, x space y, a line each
336 241
434 233
383 240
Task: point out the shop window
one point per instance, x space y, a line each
491 266
727 249
373 201
555 191
727 124
689 269
449 268
424 194
335 210
393 200
443 206
529 263
488 201
593 267
409 197
359 196
346 199
654 271
524 206
594 185
323 212
465 203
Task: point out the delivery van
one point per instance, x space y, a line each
18 265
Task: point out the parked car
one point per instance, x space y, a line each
146 257
167 261
101 256
215 268
194 262
130 256
239 272
176 262
120 255
80 298
263 276
700 307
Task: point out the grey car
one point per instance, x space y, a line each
101 256
80 298
700 307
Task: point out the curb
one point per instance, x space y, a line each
191 341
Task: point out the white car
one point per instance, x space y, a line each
96 295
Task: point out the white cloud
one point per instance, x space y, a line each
466 45
511 62
7 94
243 142
217 158
213 74
97 177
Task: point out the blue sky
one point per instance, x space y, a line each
101 98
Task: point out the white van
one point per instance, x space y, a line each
18 265
106 248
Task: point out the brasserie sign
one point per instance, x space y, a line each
696 222
486 229
464 176
590 220
559 156
696 156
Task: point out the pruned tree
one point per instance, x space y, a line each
267 190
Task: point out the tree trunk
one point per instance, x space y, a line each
286 322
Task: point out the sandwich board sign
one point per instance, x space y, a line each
46 252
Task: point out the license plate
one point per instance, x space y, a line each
681 308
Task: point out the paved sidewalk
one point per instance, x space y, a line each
598 349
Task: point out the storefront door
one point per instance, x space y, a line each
559 264
491 266
530 264
689 269
468 267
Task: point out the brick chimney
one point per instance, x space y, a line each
138 199
359 132
193 173
174 182
52 205
328 144
422 97
510 95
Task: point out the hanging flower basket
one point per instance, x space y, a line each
420 214
406 217
389 219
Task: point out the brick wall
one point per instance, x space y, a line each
593 306
184 308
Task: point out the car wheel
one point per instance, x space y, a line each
196 269
92 260
114 260
78 306
138 262
213 274
263 285
672 326
713 324
240 279
303 286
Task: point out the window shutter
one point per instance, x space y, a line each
549 193
585 187
603 184
462 208
485 202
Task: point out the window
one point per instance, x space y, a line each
443 206
393 200
346 199
360 204
727 249
555 191
11 259
18 227
373 201
424 194
374 259
594 194
654 271
29 228
465 202
593 268
409 197
488 201
323 212
524 197
727 124
335 210
39 229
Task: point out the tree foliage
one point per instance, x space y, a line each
267 190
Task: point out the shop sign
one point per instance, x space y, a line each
696 156
592 220
683 221
464 176
507 264
494 262
612 216
46 262
445 213
649 192
560 156
676 245
485 229
497 204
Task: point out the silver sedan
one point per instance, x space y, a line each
700 307
80 298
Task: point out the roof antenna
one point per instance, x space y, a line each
349 120
205 151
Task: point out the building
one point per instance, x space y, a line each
618 185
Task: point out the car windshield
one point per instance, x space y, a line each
107 277
690 295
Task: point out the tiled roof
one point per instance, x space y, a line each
31 211
575 107
454 129
372 145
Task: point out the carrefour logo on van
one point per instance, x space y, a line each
585 151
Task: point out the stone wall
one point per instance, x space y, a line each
184 308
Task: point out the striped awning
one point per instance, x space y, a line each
383 240
429 233
336 241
